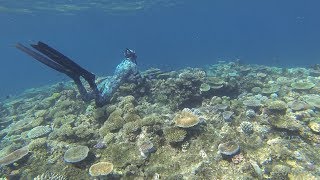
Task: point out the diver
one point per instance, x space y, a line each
102 91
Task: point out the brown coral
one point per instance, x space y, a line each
101 169
186 119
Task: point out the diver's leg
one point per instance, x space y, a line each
85 96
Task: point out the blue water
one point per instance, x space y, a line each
193 33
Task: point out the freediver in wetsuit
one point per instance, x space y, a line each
126 71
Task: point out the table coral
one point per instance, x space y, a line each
14 156
186 119
101 169
76 154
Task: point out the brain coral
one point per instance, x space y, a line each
186 119
246 127
101 169
14 156
39 131
76 154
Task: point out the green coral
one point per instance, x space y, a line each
68 119
49 101
280 172
152 119
38 144
129 117
76 154
204 87
63 132
14 156
40 113
129 154
277 105
113 123
108 138
37 121
270 89
65 107
215 81
312 100
39 131
285 123
256 90
83 131
175 134
302 85
131 127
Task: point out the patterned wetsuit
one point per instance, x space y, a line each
126 71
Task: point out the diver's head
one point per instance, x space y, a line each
130 54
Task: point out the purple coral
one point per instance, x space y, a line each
146 148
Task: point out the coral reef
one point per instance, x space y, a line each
184 124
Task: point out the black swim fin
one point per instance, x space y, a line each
42 58
63 60
63 64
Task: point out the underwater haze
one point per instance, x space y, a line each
165 34
184 89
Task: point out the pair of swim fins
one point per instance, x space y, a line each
59 62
